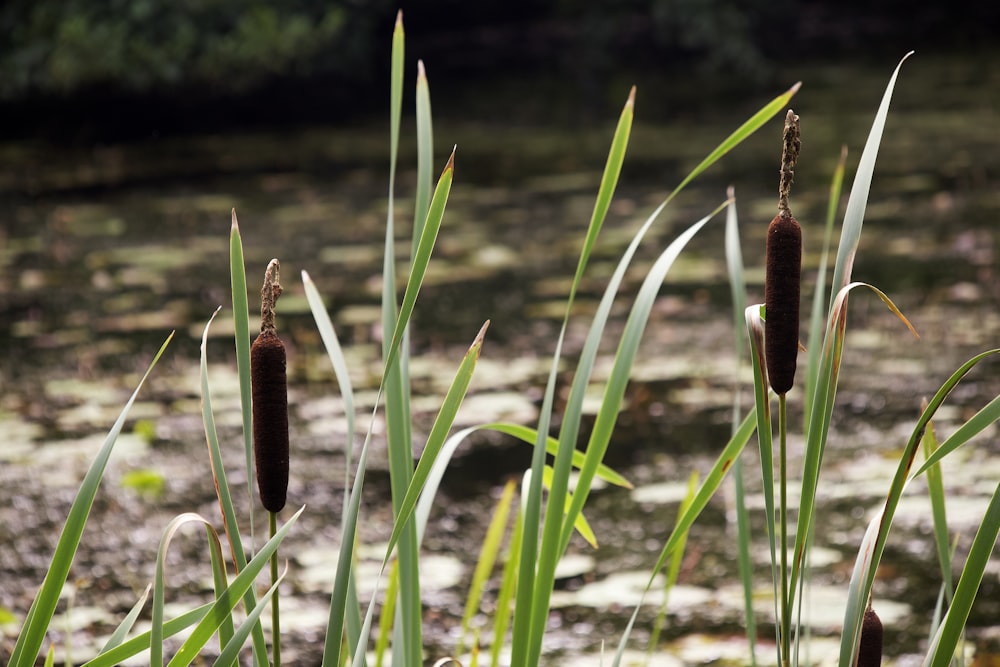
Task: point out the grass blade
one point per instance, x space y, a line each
241 328
854 216
819 305
121 632
225 603
737 284
140 643
621 369
29 640
942 649
524 651
870 553
231 649
488 554
981 420
228 511
436 438
686 518
935 491
159 586
530 435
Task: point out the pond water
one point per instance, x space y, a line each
105 251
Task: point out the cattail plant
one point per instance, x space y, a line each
270 400
870 647
781 341
783 273
270 425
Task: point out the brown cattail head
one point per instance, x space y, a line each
781 300
783 273
270 401
870 647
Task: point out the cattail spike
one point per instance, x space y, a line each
870 647
783 273
781 300
270 400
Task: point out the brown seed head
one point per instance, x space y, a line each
270 419
781 300
870 647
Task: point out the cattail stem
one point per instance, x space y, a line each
786 612
275 615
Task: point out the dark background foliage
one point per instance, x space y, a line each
79 69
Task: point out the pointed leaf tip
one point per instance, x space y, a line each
731 193
306 280
631 98
421 72
795 88
236 225
451 159
481 335
399 19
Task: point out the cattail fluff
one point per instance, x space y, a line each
870 647
781 300
270 401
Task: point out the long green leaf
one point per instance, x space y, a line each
935 491
231 649
225 603
870 553
140 643
159 578
525 651
488 554
713 480
737 284
854 216
436 438
425 156
950 633
765 443
340 595
339 363
29 640
422 257
819 305
558 526
229 521
241 328
628 347
121 632
975 425
529 435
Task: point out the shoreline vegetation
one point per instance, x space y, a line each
578 393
